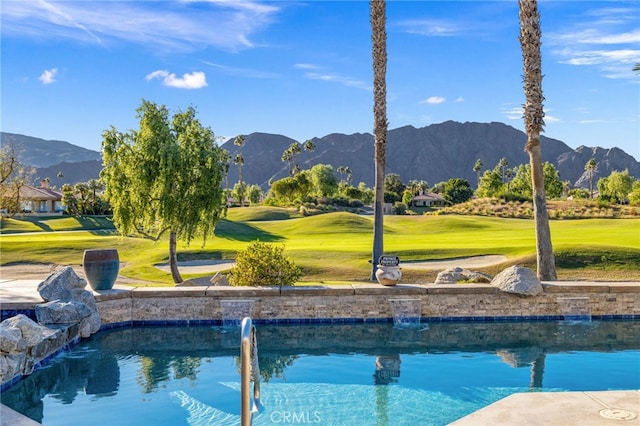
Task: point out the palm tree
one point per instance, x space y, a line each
530 35
309 146
590 167
239 161
379 54
478 168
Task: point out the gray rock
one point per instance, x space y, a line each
62 312
518 280
31 332
11 365
60 284
457 274
11 340
219 279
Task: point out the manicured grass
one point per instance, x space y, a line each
54 223
336 247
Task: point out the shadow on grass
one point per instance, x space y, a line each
237 231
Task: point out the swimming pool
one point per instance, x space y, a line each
347 374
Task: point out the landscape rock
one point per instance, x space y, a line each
11 340
31 332
457 274
219 279
518 280
61 312
60 285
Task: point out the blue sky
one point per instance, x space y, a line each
71 69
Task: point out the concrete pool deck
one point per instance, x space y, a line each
531 408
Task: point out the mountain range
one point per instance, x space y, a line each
433 153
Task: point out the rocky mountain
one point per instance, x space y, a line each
433 153
38 152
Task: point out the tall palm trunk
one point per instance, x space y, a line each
530 35
379 53
173 258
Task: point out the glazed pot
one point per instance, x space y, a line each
101 268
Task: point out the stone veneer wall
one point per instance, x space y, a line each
362 301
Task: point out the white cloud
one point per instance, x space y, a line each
551 119
607 39
241 72
305 66
459 99
431 27
194 80
337 78
48 76
433 100
169 26
513 113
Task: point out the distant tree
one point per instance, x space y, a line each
13 176
530 40
69 199
378 19
619 185
324 180
83 192
292 188
590 167
407 197
367 193
634 196
238 160
164 177
438 188
503 166
254 194
521 183
491 184
392 183
238 192
290 157
309 146
478 168
457 191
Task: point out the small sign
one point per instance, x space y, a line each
389 261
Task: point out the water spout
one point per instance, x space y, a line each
575 308
406 312
233 311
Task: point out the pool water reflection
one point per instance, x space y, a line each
344 374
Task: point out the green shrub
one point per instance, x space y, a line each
263 264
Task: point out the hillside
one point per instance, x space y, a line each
433 153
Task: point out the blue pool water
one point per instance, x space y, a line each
350 374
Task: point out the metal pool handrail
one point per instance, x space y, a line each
249 371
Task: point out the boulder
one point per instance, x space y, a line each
30 331
11 340
219 279
457 274
518 280
62 312
60 284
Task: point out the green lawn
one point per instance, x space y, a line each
336 247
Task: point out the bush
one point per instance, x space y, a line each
263 264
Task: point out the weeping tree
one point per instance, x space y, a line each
164 177
530 35
379 53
